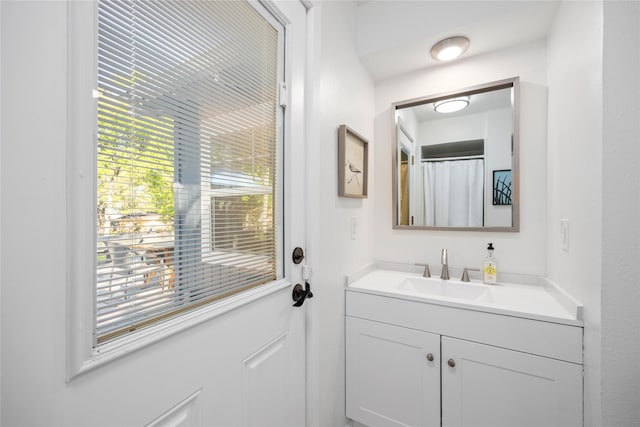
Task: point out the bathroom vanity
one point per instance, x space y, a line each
428 352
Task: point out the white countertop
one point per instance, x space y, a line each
539 302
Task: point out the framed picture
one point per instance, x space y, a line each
502 187
353 163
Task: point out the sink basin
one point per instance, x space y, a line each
441 288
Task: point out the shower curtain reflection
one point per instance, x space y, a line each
453 193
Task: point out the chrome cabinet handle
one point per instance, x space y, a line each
451 363
430 357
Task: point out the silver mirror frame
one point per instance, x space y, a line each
487 87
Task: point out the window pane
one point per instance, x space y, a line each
186 151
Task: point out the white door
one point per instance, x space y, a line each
240 364
490 386
393 374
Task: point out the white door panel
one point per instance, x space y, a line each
491 386
187 413
393 374
264 388
244 367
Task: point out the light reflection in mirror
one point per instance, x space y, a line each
445 163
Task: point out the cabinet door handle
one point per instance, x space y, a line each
451 363
430 357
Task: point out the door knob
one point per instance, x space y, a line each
451 363
430 357
299 294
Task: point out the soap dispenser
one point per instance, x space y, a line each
489 266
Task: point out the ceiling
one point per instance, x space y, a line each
394 36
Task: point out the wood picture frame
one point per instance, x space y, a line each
353 163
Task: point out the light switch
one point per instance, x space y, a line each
564 234
354 228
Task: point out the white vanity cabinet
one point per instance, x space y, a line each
491 386
393 374
419 364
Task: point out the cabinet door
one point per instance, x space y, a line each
491 386
391 380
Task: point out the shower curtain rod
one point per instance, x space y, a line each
448 159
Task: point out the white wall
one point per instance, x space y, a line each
522 252
1 139
621 215
575 172
409 120
451 129
498 157
343 93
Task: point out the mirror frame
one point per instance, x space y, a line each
515 152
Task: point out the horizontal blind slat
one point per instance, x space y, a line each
186 111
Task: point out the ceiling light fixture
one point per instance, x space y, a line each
451 105
449 48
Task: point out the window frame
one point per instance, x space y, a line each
82 353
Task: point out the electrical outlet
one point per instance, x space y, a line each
564 234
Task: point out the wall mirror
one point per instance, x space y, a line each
455 162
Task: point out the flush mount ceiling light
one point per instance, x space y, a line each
451 105
449 48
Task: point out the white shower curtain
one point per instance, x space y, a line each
453 193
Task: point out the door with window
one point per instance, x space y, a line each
190 314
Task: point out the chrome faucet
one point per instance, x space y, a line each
445 265
426 272
465 273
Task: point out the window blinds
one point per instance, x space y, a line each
187 143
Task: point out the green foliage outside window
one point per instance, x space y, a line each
135 165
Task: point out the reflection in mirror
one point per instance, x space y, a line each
456 164
403 195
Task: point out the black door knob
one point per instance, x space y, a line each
299 294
